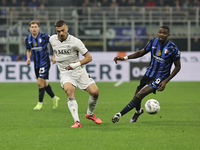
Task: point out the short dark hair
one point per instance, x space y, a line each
165 27
59 23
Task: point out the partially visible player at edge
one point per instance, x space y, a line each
164 53
72 71
36 44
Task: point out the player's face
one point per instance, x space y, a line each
62 32
163 35
34 28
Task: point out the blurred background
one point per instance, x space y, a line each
103 25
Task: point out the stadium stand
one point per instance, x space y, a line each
95 20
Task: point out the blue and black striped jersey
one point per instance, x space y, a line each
39 49
162 58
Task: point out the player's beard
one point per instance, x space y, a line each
62 37
35 33
162 41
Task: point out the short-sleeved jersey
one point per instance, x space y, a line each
67 51
162 58
39 49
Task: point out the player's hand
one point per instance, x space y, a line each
28 61
162 85
53 60
118 58
69 68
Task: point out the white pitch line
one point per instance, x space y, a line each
118 83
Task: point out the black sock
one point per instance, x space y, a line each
49 91
135 102
41 94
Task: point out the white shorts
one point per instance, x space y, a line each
78 77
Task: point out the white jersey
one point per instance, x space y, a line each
67 51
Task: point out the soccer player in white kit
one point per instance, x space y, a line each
66 49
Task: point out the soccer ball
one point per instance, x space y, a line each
152 106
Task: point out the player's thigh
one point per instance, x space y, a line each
66 77
45 83
69 89
147 89
68 84
84 81
93 90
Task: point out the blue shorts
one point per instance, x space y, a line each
154 82
42 72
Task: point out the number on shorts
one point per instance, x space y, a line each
158 81
42 70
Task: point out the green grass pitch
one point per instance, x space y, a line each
175 127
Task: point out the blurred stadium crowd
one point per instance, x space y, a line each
182 15
104 3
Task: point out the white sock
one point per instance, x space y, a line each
73 107
91 105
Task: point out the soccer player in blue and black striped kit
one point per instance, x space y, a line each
36 44
164 53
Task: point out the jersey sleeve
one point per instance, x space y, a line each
148 45
51 38
27 44
81 47
176 54
47 38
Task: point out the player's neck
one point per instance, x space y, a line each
35 35
163 43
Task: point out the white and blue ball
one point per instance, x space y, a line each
152 106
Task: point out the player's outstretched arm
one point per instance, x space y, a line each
132 56
118 58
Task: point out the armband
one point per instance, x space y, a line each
126 57
75 65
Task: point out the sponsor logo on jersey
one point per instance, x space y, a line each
159 59
63 51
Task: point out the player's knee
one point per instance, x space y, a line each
69 93
45 83
40 85
95 93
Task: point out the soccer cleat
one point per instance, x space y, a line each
55 102
76 125
116 117
93 118
38 106
136 115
